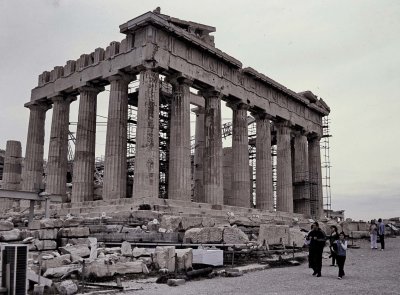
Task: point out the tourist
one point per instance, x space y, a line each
381 233
332 243
307 243
341 244
373 232
317 240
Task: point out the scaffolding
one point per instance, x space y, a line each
326 165
252 161
164 125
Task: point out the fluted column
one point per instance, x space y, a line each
32 173
240 156
12 171
212 173
284 168
316 195
264 189
57 165
115 174
146 178
179 174
301 194
199 156
85 146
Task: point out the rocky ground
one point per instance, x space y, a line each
367 272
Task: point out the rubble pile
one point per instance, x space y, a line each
64 251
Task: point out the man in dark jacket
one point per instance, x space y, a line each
317 240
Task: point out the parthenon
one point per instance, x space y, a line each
184 55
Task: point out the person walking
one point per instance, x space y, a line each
307 243
341 244
334 236
373 232
381 233
317 240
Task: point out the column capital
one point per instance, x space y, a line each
210 92
284 127
238 105
262 116
41 106
62 98
311 136
91 88
179 79
125 77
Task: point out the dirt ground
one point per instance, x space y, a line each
367 272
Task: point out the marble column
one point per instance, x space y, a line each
146 178
240 156
264 188
301 194
179 168
115 174
11 172
199 156
57 165
316 195
284 168
212 173
32 173
85 146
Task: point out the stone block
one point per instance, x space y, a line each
204 235
51 223
171 223
74 232
6 225
45 245
34 224
78 241
165 258
185 258
78 250
349 226
208 257
105 228
126 249
297 237
273 234
191 222
140 252
363 226
33 277
357 234
41 234
100 269
56 262
73 221
67 287
208 222
58 272
10 235
233 235
127 229
93 248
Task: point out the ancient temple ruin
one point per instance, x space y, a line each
162 50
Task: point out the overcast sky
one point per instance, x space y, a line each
346 52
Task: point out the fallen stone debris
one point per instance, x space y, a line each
71 254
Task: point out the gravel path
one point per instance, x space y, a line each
367 272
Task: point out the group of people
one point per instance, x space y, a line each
316 240
375 231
